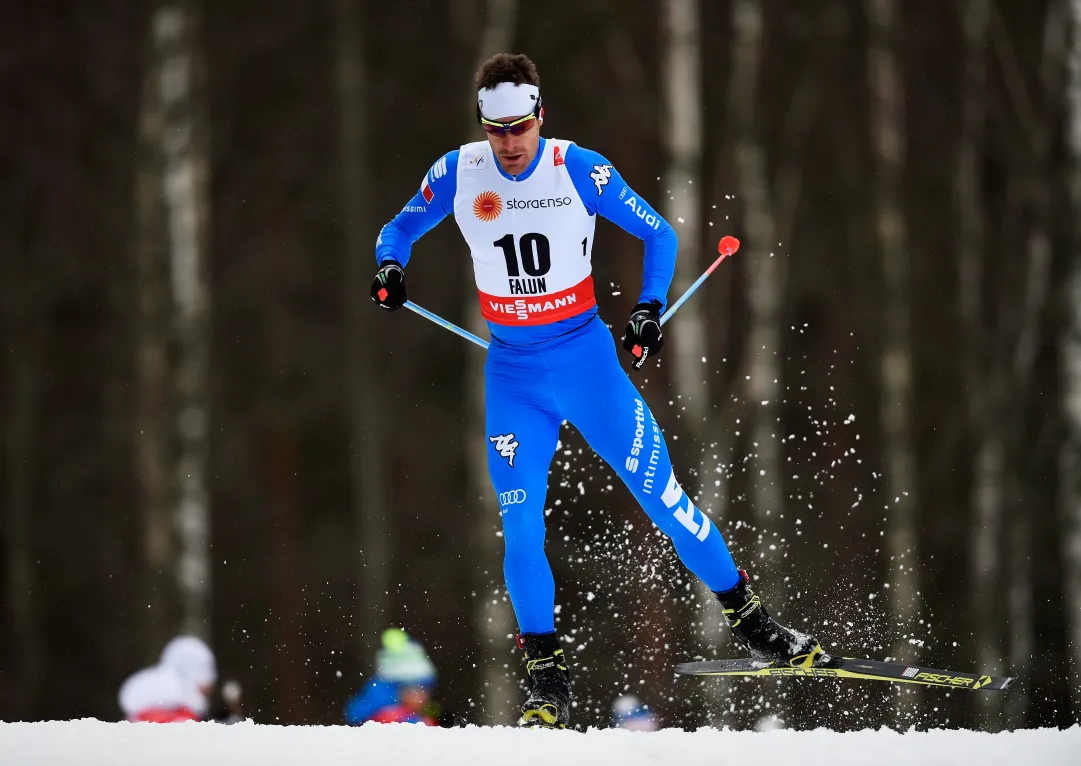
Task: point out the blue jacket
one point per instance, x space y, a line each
421 214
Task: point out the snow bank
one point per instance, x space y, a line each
77 743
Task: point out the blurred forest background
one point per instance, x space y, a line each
208 426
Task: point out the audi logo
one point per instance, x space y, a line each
513 497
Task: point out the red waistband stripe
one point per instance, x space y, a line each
540 309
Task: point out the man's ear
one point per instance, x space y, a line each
541 117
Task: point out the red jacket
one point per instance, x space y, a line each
165 715
401 714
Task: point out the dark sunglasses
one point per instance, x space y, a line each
515 127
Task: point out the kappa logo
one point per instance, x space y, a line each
505 445
514 497
601 175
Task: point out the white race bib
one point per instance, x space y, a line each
531 240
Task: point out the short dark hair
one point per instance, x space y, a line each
515 68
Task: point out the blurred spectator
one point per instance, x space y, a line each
401 690
230 709
628 712
176 689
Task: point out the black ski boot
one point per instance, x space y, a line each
549 700
768 640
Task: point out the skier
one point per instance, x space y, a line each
527 208
400 691
176 689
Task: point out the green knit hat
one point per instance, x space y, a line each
402 660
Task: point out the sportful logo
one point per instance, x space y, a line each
557 158
643 212
601 175
639 432
439 169
514 497
672 497
505 445
654 458
487 206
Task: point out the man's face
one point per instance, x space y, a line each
414 698
514 153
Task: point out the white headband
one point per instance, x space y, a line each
508 100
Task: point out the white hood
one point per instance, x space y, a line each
192 659
160 688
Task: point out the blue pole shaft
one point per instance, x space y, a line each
444 323
690 290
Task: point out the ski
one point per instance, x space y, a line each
850 667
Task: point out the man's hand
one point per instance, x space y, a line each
388 287
643 336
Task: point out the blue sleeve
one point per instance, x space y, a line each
604 192
430 205
377 695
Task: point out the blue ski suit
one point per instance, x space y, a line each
541 373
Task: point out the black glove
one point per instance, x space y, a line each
388 287
643 337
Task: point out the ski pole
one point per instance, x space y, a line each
447 324
725 247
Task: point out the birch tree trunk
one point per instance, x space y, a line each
766 284
688 340
1071 365
154 399
682 207
494 619
186 177
989 454
1037 288
366 459
888 144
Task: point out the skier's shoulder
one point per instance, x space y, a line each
591 173
443 169
579 159
586 166
439 185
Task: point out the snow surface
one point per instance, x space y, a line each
202 744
